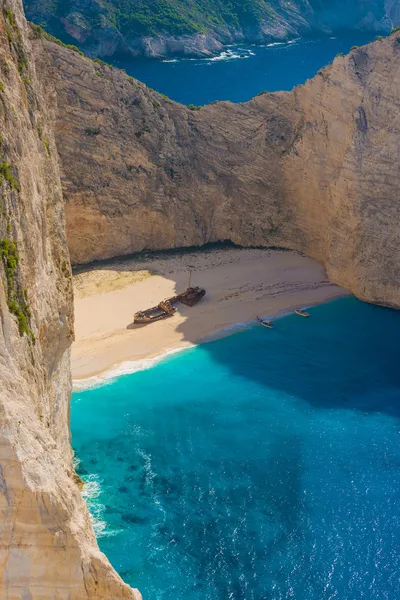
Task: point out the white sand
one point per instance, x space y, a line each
240 284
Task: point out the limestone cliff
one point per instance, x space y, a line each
47 545
314 170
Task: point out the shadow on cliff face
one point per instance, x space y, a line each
343 357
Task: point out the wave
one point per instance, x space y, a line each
228 55
125 368
91 493
231 52
129 367
272 44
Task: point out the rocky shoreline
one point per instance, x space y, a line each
88 28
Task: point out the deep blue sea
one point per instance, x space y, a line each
241 72
262 466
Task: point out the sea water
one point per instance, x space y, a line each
240 72
262 466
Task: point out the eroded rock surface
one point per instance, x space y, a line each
314 170
47 546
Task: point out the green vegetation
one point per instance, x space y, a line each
193 107
395 30
102 63
17 300
379 38
89 131
40 32
9 15
5 174
14 38
354 47
5 67
152 17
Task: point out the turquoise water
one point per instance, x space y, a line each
262 466
241 72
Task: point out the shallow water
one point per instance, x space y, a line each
265 465
241 72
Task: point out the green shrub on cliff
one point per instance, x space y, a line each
17 300
5 173
89 131
151 17
40 32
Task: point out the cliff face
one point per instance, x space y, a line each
313 170
47 545
200 27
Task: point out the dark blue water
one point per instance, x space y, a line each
242 72
262 466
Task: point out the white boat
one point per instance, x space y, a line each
265 323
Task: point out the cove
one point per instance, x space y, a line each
241 72
265 465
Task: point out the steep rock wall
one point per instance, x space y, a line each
47 545
313 170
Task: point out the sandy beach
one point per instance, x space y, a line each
240 284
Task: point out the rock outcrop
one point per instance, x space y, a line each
200 28
314 170
47 546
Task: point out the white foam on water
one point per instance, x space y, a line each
231 55
125 368
170 60
273 44
90 493
129 367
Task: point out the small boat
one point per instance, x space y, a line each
265 323
191 296
302 313
156 313
167 308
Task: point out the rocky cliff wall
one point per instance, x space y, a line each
47 545
314 170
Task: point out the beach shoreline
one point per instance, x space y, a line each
241 284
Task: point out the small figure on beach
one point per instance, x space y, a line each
265 323
302 313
